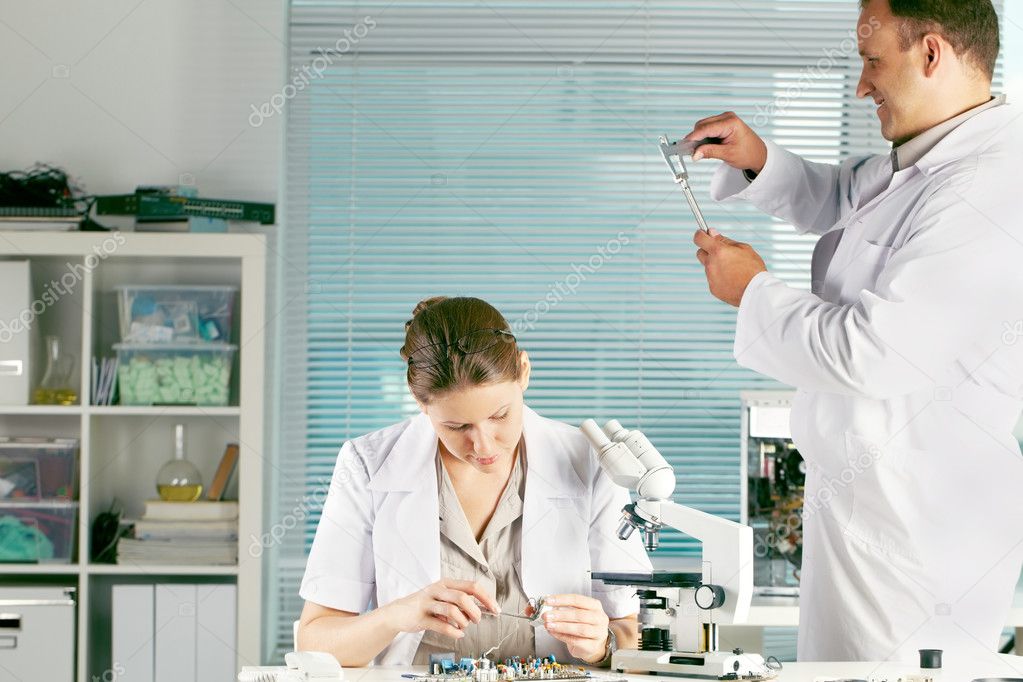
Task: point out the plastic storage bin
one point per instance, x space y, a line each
37 469
174 374
165 314
37 532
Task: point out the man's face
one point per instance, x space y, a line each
893 78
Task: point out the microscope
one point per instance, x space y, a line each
680 612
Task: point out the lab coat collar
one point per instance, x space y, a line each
412 459
973 136
548 472
908 153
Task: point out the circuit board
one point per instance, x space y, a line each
444 669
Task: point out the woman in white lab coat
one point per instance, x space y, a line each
385 581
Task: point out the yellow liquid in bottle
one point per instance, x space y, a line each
54 396
179 493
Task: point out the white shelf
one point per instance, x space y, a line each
122 447
160 570
38 569
47 410
133 245
163 410
114 569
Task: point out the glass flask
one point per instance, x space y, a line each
55 388
179 480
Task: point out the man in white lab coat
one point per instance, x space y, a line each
908 350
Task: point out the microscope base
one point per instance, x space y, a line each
711 665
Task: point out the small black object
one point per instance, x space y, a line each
655 639
930 659
106 531
737 651
41 186
651 579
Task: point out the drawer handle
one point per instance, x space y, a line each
10 368
10 621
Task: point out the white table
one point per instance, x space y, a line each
996 666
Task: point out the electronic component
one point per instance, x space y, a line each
155 204
443 668
539 608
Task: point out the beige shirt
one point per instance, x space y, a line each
911 151
493 562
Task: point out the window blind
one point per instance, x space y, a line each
508 150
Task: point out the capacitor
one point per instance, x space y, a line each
930 659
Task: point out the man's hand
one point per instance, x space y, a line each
579 622
730 265
740 147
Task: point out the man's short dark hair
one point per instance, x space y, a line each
970 27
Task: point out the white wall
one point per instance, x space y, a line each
121 93
127 92
1012 49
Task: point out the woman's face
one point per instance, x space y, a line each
481 425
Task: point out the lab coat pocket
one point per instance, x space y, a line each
859 268
885 481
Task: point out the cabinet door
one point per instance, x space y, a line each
37 641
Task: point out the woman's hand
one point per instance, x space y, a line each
579 622
446 607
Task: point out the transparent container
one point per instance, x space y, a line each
174 374
175 313
178 479
37 532
56 386
37 469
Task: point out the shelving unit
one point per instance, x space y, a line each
122 448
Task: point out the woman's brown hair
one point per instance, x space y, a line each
458 342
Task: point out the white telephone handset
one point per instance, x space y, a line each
316 665
303 666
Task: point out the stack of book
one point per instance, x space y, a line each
183 534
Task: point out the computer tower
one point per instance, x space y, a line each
773 477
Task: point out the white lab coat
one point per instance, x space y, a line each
378 538
909 388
